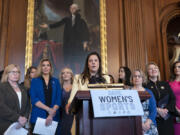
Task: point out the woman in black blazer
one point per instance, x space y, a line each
14 101
165 100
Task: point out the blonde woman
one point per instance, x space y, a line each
45 93
165 100
149 105
66 78
14 101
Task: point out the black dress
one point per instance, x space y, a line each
164 99
66 120
73 38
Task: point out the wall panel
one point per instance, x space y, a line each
134 33
4 8
13 33
113 36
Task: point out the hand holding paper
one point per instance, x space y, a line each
41 128
12 130
22 120
49 120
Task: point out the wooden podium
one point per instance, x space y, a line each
86 124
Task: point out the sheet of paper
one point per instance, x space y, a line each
13 131
42 129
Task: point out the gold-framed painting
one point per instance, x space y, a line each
46 39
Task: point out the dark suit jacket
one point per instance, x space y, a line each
160 90
73 36
9 106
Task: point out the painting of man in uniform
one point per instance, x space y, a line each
65 31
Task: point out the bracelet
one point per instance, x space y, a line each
48 109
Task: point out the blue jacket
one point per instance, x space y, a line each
152 107
37 94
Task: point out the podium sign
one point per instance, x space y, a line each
114 103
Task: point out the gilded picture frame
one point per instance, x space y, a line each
30 31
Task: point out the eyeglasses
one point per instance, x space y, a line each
153 68
177 66
137 76
14 72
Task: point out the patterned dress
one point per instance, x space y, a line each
149 107
153 128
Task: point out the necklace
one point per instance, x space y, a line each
67 88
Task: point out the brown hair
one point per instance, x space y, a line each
86 74
27 79
173 75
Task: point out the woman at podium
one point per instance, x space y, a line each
149 105
92 74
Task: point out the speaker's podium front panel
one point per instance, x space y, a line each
86 124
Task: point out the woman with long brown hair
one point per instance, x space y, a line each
175 86
92 74
30 74
124 76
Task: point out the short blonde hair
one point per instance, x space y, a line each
153 63
39 68
144 78
61 73
8 69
